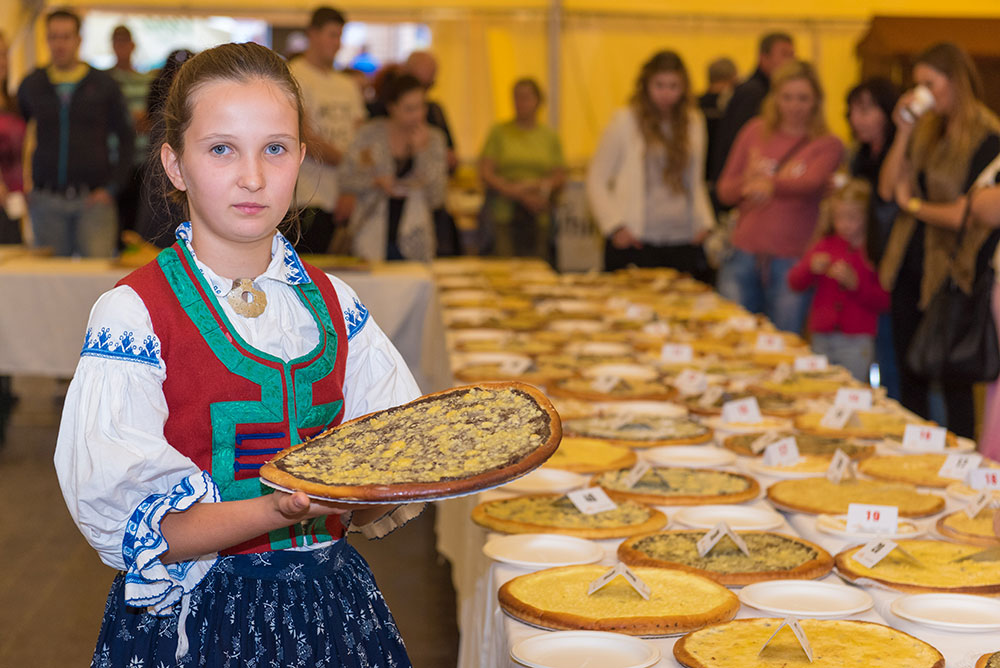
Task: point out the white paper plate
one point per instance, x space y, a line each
835 525
634 371
467 335
767 423
757 466
632 408
805 598
689 456
584 649
577 326
543 480
743 518
950 612
542 550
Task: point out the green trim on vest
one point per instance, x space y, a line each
273 381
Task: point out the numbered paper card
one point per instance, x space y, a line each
761 442
515 366
710 396
924 438
591 500
959 466
635 473
782 453
676 353
838 417
781 373
855 399
799 633
691 382
988 479
637 583
770 343
874 552
711 539
868 518
840 466
811 363
741 411
981 501
658 328
605 384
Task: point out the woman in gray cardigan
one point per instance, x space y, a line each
397 168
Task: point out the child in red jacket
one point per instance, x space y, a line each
848 297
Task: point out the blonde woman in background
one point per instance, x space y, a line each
931 165
777 173
646 182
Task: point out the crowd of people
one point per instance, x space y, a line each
744 187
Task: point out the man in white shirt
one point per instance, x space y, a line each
333 109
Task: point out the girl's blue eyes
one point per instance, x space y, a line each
271 149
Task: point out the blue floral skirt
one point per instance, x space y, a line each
283 609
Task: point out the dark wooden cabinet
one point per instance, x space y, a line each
891 44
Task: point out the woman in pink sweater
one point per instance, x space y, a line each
777 173
848 299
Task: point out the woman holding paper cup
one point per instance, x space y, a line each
945 137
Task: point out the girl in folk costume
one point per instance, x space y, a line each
196 369
932 164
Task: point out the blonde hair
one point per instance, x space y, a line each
846 191
790 71
962 128
678 145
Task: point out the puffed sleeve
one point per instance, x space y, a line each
376 378
118 474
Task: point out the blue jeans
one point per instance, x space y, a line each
759 283
854 352
72 225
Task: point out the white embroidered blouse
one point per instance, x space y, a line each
119 475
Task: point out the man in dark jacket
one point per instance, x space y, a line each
75 173
776 49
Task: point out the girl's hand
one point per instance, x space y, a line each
842 272
298 506
623 238
758 189
386 183
819 263
902 124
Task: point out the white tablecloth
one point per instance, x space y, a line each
45 304
487 634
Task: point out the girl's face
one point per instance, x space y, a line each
665 89
409 110
796 102
849 221
868 121
940 86
240 160
525 102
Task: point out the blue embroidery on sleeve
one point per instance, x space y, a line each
125 348
355 318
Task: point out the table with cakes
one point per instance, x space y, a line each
720 496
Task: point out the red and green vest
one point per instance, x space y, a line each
233 407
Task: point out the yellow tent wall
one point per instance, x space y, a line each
484 45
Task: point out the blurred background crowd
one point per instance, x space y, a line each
844 225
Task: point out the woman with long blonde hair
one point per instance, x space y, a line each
931 166
646 183
777 174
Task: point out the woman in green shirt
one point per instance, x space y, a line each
522 166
